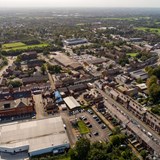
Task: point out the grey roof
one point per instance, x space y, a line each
144 137
38 134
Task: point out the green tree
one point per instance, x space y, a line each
143 153
15 83
82 148
43 69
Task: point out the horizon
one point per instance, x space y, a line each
79 4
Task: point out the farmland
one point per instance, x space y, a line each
21 46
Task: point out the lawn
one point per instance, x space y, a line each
124 18
132 54
83 129
21 46
153 30
13 45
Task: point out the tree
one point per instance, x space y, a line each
82 148
73 154
139 80
43 69
151 80
143 153
15 83
45 52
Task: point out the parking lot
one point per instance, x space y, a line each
92 121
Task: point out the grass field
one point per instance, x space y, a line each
125 18
153 30
83 129
21 46
132 54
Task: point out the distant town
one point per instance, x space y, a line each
80 84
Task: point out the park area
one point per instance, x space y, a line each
83 129
146 29
132 54
21 46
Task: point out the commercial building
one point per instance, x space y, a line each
139 74
75 41
35 137
65 61
72 103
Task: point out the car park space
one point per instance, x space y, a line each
98 130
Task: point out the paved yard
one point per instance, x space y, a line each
39 107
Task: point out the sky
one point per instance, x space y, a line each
80 3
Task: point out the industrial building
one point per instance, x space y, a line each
34 137
74 41
72 103
139 74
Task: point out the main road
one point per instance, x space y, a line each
130 114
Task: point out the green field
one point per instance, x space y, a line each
132 54
153 30
83 129
124 18
21 46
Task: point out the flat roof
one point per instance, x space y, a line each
38 134
64 59
71 102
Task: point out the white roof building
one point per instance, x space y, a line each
35 137
71 102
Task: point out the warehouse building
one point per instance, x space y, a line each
72 103
35 137
139 74
75 41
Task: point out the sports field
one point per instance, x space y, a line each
21 46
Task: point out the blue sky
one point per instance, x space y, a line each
80 3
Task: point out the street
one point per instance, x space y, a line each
130 114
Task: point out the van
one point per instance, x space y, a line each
64 126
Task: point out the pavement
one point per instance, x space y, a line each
69 128
130 114
72 132
39 107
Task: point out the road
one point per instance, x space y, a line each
39 107
51 81
10 62
130 114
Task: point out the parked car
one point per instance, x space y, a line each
87 122
89 125
95 116
90 111
103 126
95 133
83 118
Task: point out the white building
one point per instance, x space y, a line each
35 137
75 41
71 103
